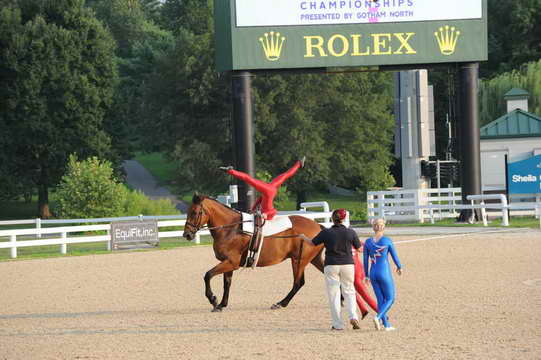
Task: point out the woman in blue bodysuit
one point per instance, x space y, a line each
376 251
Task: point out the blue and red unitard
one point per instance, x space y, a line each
375 254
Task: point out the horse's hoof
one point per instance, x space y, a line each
217 309
276 306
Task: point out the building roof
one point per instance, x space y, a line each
517 123
516 93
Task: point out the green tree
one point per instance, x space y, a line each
89 190
196 16
140 43
197 168
514 35
190 107
341 122
57 81
152 9
138 203
492 91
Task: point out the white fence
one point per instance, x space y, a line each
430 204
65 235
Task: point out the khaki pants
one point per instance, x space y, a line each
337 276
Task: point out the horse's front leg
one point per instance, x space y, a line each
226 266
228 276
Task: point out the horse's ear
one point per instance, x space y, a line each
196 198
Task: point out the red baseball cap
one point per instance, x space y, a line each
339 215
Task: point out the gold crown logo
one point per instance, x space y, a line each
272 45
447 38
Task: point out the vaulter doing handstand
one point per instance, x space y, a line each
267 190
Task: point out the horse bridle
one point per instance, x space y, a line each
198 218
198 227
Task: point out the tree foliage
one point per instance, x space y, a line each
192 15
57 80
341 122
138 203
492 91
89 190
140 43
514 35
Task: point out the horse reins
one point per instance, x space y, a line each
199 227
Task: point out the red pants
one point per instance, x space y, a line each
267 190
362 292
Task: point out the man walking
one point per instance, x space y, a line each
339 268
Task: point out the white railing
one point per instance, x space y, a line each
324 206
65 235
503 205
428 204
39 222
405 205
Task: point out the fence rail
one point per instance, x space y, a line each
428 204
64 235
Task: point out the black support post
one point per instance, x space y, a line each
241 83
470 148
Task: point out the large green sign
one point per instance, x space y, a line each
347 33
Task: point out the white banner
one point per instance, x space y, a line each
320 12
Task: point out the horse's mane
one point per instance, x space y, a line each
203 197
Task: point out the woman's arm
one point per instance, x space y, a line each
394 255
365 259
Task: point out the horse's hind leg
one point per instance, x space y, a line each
228 276
298 274
317 261
298 282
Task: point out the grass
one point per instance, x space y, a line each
517 221
160 167
18 210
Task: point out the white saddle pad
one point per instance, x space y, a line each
278 224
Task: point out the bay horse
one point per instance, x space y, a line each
231 246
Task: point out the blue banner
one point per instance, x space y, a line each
524 177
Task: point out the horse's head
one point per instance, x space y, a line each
197 217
